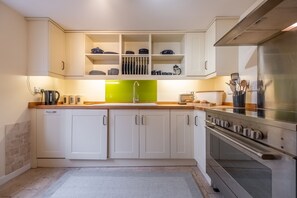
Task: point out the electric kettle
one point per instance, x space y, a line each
51 97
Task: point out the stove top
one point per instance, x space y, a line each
284 117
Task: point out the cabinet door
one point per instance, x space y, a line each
57 49
38 51
86 134
123 134
210 38
200 140
154 134
50 133
195 54
182 130
75 54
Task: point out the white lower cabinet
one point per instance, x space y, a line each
50 135
182 130
86 134
139 134
154 134
200 141
123 134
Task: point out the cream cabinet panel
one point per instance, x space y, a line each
50 133
46 48
182 129
123 134
154 134
220 61
195 52
200 141
75 58
86 134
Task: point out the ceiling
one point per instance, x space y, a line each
122 15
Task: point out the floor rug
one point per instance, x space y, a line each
93 183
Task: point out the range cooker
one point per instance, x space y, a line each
252 153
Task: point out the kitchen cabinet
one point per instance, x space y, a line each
86 134
182 129
220 61
137 65
110 44
50 134
75 58
124 133
165 62
139 134
200 141
195 51
46 48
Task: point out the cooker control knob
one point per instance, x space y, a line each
237 129
213 120
246 132
256 135
226 124
222 123
218 121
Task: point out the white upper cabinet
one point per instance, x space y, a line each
195 52
220 61
46 51
75 57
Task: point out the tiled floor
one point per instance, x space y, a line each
34 182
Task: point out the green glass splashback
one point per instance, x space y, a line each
122 90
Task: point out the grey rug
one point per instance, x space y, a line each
91 183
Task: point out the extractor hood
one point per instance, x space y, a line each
263 23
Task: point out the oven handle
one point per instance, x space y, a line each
264 156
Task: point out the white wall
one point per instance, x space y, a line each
14 95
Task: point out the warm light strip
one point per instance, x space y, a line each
290 27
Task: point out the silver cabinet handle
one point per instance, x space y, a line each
196 120
104 120
63 65
50 111
188 120
136 120
142 119
205 65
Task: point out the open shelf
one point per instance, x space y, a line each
103 57
167 57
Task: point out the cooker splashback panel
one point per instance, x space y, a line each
277 72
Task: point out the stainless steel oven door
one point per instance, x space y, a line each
245 168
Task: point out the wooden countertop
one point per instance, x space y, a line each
160 105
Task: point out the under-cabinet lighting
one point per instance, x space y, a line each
290 27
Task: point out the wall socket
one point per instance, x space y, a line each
37 90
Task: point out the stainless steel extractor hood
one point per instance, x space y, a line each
263 23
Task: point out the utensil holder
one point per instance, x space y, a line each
239 100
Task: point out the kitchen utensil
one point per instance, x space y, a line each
243 85
168 51
143 51
96 72
71 99
235 76
65 99
97 50
51 97
129 52
113 71
177 70
79 100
